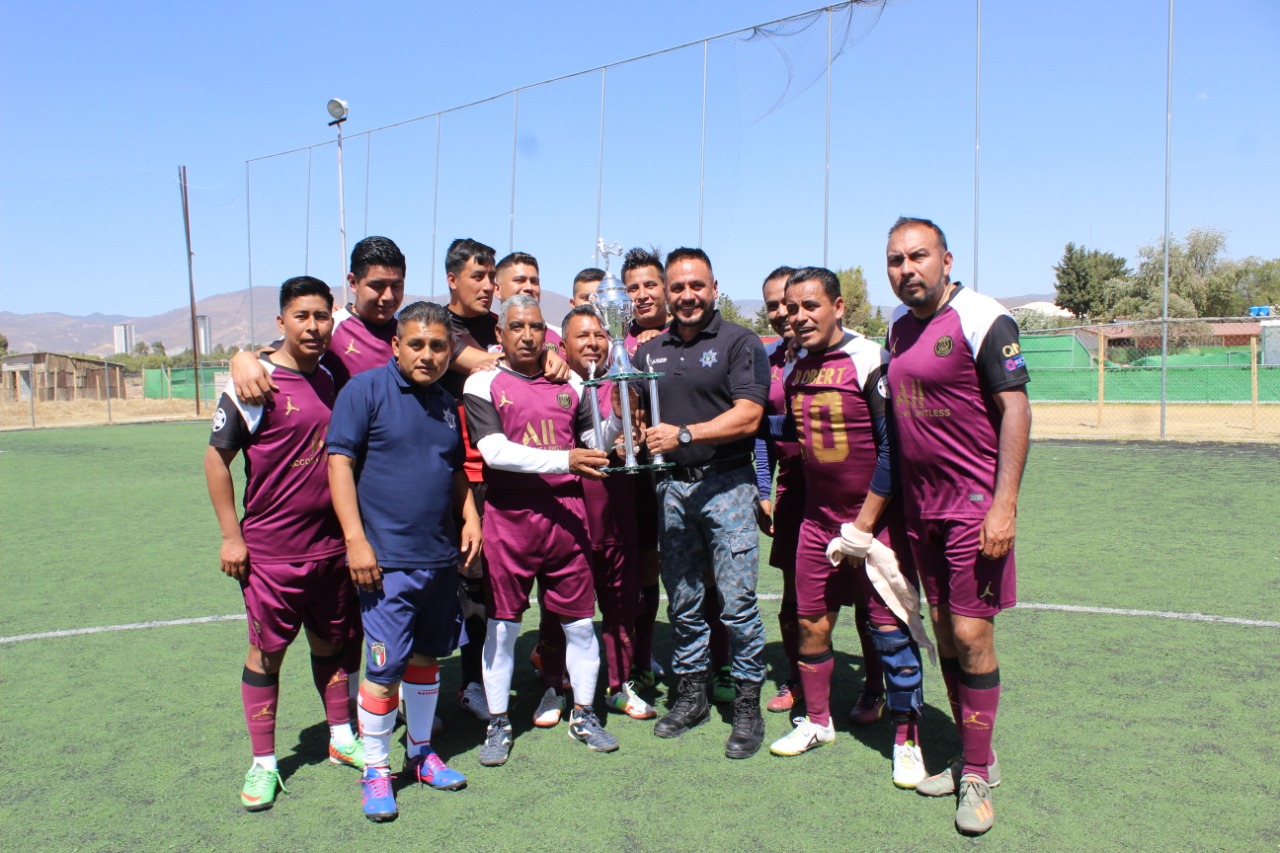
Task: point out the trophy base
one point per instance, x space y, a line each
633 469
636 376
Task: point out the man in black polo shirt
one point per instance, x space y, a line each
712 394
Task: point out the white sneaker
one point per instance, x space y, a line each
908 765
805 736
549 710
629 702
471 698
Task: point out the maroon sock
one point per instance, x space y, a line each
551 647
815 681
259 693
332 682
906 727
979 698
951 679
789 625
871 664
646 617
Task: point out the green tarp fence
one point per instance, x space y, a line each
1142 384
180 382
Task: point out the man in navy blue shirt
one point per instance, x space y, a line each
395 474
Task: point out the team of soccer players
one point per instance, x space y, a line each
382 450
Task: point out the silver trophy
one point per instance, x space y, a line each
615 310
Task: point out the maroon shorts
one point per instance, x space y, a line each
542 536
788 511
953 571
822 587
280 599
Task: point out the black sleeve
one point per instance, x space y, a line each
749 370
229 429
999 361
583 421
482 418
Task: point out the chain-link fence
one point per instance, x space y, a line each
1219 380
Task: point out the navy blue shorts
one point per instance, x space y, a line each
415 612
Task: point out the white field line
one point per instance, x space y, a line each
1063 608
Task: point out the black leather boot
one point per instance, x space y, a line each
748 724
691 707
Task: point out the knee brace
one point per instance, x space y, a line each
902 671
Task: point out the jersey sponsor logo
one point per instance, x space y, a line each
315 448
565 400
541 435
503 401
1010 350
709 358
1012 364
662 360
977 498
351 348
943 346
378 654
289 407
909 402
219 420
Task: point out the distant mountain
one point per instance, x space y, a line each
228 315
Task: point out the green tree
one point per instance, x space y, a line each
1198 276
1083 276
857 306
141 348
158 347
730 312
760 324
4 345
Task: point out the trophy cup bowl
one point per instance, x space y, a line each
615 309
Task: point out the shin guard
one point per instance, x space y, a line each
903 680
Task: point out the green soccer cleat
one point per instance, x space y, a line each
259 791
350 755
723 688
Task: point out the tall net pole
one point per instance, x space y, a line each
435 210
977 138
1168 171
604 79
515 143
826 160
248 221
306 241
702 156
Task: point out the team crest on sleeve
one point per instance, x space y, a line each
882 387
943 347
219 420
709 358
565 399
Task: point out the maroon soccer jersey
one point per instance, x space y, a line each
832 397
288 516
943 372
531 411
785 453
611 503
357 346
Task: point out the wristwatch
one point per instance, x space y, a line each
685 437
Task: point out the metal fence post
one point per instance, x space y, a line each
1102 367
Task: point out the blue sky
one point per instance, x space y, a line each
104 102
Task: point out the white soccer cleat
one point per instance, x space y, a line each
805 736
472 699
908 765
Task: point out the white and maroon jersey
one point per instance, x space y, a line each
943 372
634 332
785 453
541 422
610 503
833 396
288 515
356 346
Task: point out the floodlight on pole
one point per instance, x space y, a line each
338 110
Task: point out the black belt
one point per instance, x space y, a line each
695 473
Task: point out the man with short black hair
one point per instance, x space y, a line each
585 284
287 551
395 430
958 380
714 386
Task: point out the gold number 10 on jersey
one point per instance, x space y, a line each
823 418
